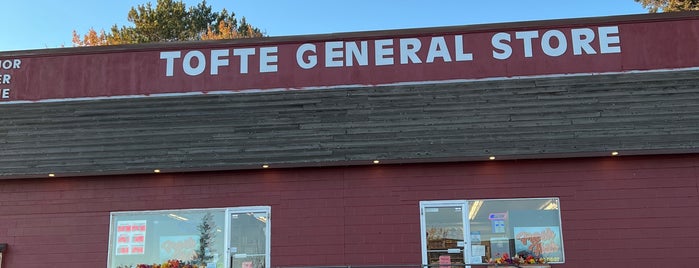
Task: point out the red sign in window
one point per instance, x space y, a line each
137 250
123 239
130 237
138 228
139 239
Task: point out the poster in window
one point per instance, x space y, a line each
178 247
130 237
499 246
539 242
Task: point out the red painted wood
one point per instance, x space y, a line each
645 45
616 211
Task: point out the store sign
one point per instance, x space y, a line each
458 54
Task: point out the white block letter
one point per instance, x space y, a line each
244 54
438 48
546 43
333 54
384 52
312 59
361 55
187 63
216 60
268 59
169 58
460 55
408 50
527 38
497 42
581 41
605 41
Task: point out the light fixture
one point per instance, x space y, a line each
376 161
52 175
492 157
261 218
177 217
474 209
156 171
615 153
265 166
550 205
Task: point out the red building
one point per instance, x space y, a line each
571 140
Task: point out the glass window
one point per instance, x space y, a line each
201 238
249 244
462 232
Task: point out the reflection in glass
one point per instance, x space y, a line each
248 240
154 237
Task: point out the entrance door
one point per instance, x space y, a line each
443 228
249 241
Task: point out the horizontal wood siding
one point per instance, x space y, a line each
590 115
616 211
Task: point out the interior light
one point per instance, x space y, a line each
265 166
156 171
261 218
52 175
177 217
377 161
474 209
615 153
492 157
549 205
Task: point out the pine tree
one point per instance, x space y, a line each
207 234
170 21
654 6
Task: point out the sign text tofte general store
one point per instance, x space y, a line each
337 54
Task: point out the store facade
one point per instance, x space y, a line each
573 140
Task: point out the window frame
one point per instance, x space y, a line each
226 211
467 228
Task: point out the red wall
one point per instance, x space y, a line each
636 43
616 211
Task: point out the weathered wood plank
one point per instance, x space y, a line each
570 115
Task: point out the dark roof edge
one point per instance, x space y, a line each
572 22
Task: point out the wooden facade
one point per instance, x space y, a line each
639 113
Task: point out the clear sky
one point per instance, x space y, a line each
37 24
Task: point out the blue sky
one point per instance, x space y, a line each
37 24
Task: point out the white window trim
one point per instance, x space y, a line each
467 237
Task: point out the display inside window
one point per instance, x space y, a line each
465 232
191 238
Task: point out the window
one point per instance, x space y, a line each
204 238
473 231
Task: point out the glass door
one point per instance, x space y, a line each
249 241
443 228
